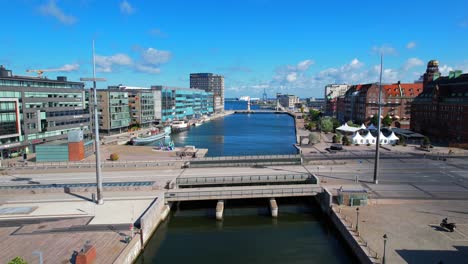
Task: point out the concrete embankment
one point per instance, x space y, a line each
351 237
149 222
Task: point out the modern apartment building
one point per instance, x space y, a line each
441 110
183 103
361 102
34 110
113 111
210 82
141 102
332 92
288 100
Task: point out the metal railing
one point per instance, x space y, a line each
236 193
247 157
212 180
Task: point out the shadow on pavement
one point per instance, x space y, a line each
460 255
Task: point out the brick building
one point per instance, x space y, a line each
441 110
361 102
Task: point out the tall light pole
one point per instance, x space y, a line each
100 199
357 219
377 145
39 253
384 246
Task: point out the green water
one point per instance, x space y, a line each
247 234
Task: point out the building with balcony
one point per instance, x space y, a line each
35 110
113 111
183 103
441 110
141 103
211 83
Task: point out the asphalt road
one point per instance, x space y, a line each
398 178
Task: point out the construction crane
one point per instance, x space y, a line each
41 71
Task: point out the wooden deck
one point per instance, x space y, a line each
58 240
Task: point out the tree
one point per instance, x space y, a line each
426 141
17 260
402 141
311 125
302 109
313 138
346 141
351 124
387 120
374 120
326 125
337 138
335 123
314 115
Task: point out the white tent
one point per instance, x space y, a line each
347 129
369 138
363 126
393 138
358 139
383 139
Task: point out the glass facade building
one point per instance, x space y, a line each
181 103
34 110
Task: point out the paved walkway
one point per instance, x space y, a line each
413 231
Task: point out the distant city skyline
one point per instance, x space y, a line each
294 47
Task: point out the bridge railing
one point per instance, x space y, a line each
247 157
245 179
197 194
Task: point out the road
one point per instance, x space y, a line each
401 178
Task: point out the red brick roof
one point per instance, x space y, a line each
408 89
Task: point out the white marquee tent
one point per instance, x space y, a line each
358 139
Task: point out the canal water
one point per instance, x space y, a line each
247 235
242 134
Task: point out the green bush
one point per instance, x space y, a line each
17 260
346 141
114 157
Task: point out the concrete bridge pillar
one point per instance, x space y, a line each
219 210
273 208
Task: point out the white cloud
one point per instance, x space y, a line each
291 77
126 8
411 63
411 45
304 65
147 69
51 9
66 68
445 70
384 49
155 57
105 63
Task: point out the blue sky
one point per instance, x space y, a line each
294 46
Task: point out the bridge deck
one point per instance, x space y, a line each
244 179
242 192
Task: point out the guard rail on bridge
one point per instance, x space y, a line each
244 192
245 179
241 161
87 165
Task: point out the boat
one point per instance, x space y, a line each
179 125
151 137
198 123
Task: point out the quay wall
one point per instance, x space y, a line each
351 238
154 215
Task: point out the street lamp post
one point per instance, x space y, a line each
100 199
384 246
377 145
357 219
39 253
